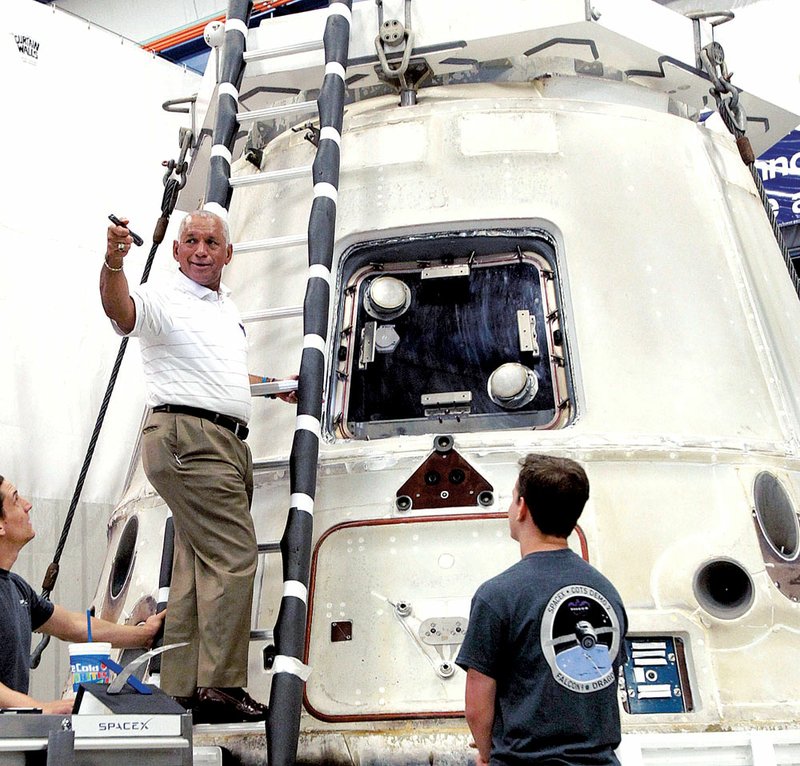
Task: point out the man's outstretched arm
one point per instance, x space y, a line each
11 698
71 626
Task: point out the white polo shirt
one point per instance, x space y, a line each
194 347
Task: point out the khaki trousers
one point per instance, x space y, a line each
205 475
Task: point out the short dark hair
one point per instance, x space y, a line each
2 496
555 490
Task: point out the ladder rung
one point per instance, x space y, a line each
273 546
263 54
262 635
271 175
276 111
284 312
270 389
274 243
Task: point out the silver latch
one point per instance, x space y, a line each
367 354
447 403
528 339
439 272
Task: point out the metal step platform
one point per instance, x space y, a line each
158 740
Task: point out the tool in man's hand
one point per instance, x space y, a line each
137 240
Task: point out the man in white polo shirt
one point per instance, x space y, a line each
194 353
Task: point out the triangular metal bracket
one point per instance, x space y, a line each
444 480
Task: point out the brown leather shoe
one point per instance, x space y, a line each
226 705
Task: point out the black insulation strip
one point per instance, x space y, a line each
292 611
326 164
218 188
321 233
303 480
165 574
290 711
312 388
286 693
164 579
337 36
298 567
232 67
226 125
315 323
331 102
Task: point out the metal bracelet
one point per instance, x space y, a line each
110 268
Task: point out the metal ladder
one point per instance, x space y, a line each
289 670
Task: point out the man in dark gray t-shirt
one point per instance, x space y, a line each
23 611
545 638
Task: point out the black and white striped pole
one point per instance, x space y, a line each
289 671
164 580
218 188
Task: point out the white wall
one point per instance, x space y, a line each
760 46
144 19
84 136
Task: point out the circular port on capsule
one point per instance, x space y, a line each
512 385
387 298
124 557
403 503
444 443
724 588
486 498
777 518
432 478
456 476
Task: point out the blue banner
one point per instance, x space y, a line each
779 168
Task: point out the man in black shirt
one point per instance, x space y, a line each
22 611
545 637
